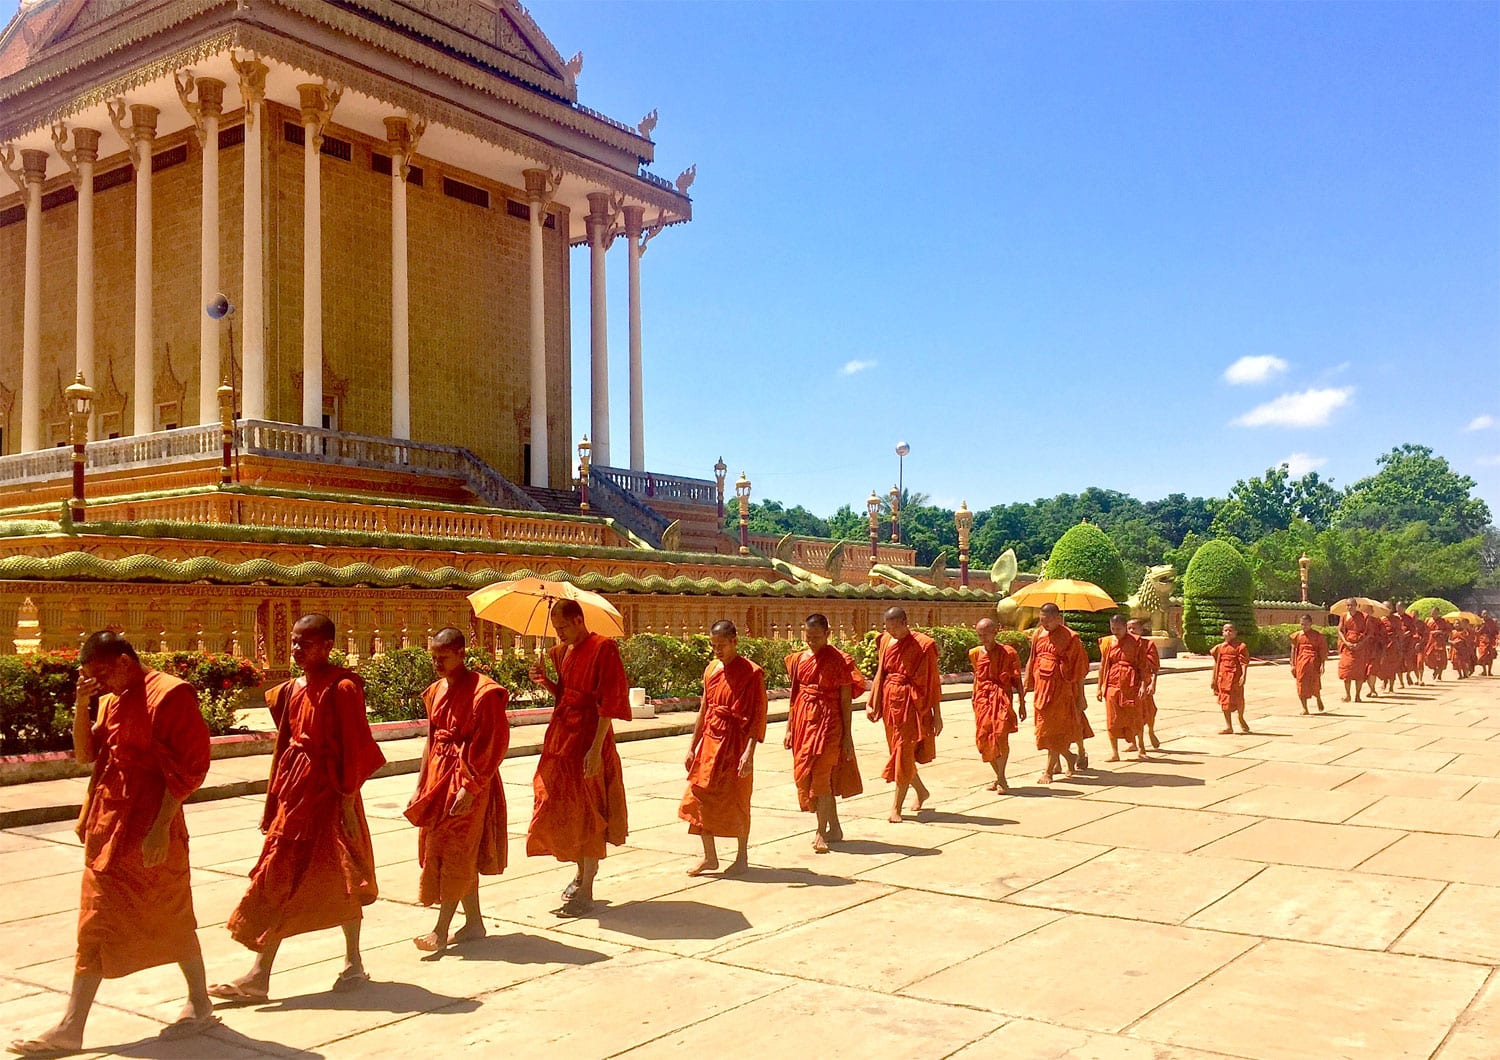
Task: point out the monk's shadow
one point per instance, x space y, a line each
793 877
375 996
1140 779
221 1041
868 847
518 948
660 920
952 817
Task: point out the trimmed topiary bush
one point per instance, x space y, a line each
1277 640
1427 605
1217 588
1085 553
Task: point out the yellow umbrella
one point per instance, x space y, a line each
1467 616
525 606
1066 593
1363 603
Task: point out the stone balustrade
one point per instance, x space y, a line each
663 487
811 553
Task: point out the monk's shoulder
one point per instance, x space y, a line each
486 687
160 685
924 642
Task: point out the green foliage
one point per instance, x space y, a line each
1427 606
1414 485
665 666
1217 588
394 682
1277 640
1087 554
1259 506
223 682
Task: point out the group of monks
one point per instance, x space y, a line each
1397 649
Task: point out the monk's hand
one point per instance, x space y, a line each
688 762
937 724
847 750
463 802
787 740
86 689
536 673
154 847
747 761
1022 714
872 711
593 763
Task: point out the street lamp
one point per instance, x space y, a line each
895 515
742 492
583 473
226 426
964 520
872 506
901 450
720 470
1302 564
80 396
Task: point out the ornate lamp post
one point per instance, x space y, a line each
872 507
720 470
895 515
226 426
80 396
964 520
1302 564
742 493
583 473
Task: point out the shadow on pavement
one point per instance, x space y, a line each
874 846
950 817
518 948
218 1042
1139 779
660 920
376 997
795 877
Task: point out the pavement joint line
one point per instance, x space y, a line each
1391 948
781 989
1490 980
1205 977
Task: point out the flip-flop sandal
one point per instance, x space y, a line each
236 993
349 981
41 1047
571 889
189 1027
574 907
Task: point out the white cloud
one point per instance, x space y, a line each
1305 408
1299 464
1481 423
1489 461
1254 369
855 367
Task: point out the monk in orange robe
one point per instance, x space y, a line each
1436 656
721 759
1150 669
1486 644
1388 665
149 750
1416 631
997 676
459 804
1231 666
1461 648
1121 661
1309 654
1055 671
819 732
317 867
1354 649
579 784
906 695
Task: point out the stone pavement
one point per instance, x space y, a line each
1327 887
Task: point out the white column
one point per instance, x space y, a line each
399 133
84 154
598 223
316 107
143 389
33 173
211 369
634 218
253 297
536 194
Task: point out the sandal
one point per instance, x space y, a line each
349 980
41 1047
574 907
189 1027
234 992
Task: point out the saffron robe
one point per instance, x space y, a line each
816 724
1354 646
997 677
1461 650
576 815
907 688
1309 653
1416 642
1231 664
1388 664
149 741
1436 655
1150 667
468 733
1055 670
317 866
1485 643
717 800
1121 661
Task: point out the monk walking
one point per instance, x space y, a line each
1486 644
1461 648
1309 654
459 804
1231 666
1416 646
317 867
1121 661
1354 649
1150 668
819 732
149 750
1055 671
906 695
997 676
579 785
1436 656
721 760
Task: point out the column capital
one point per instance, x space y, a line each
252 83
600 220
635 219
142 127
318 100
404 134
209 104
541 184
85 149
32 168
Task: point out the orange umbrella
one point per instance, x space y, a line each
1363 603
1067 593
525 605
1467 616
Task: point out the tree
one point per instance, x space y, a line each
1414 485
1177 515
1259 506
770 517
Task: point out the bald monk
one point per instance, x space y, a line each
905 695
1121 662
1354 649
1150 669
819 731
721 759
1416 648
997 677
1436 655
149 750
1309 655
317 867
579 784
1461 648
1487 643
1388 665
1055 671
1231 666
459 804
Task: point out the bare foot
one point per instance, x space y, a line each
895 817
820 845
55 1042
993 785
1346 699
922 798
704 866
472 931
836 834
1113 758
1304 710
1140 756
1226 732
737 867
431 942
1245 730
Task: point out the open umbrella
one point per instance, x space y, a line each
1067 593
1467 616
1365 604
525 606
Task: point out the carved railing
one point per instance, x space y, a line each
652 486
608 498
812 552
111 454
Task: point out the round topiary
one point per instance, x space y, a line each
1217 588
1427 605
1085 553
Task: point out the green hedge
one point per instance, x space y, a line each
1425 607
1087 554
1217 588
1277 640
394 682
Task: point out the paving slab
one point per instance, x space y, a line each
1329 846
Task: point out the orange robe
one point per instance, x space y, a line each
1416 647
1461 650
1436 656
1388 664
1121 661
816 724
1485 644
1055 670
149 741
1150 667
317 866
908 688
1309 653
997 676
468 733
1231 663
1354 646
576 815
717 799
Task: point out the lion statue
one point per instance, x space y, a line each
1149 602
